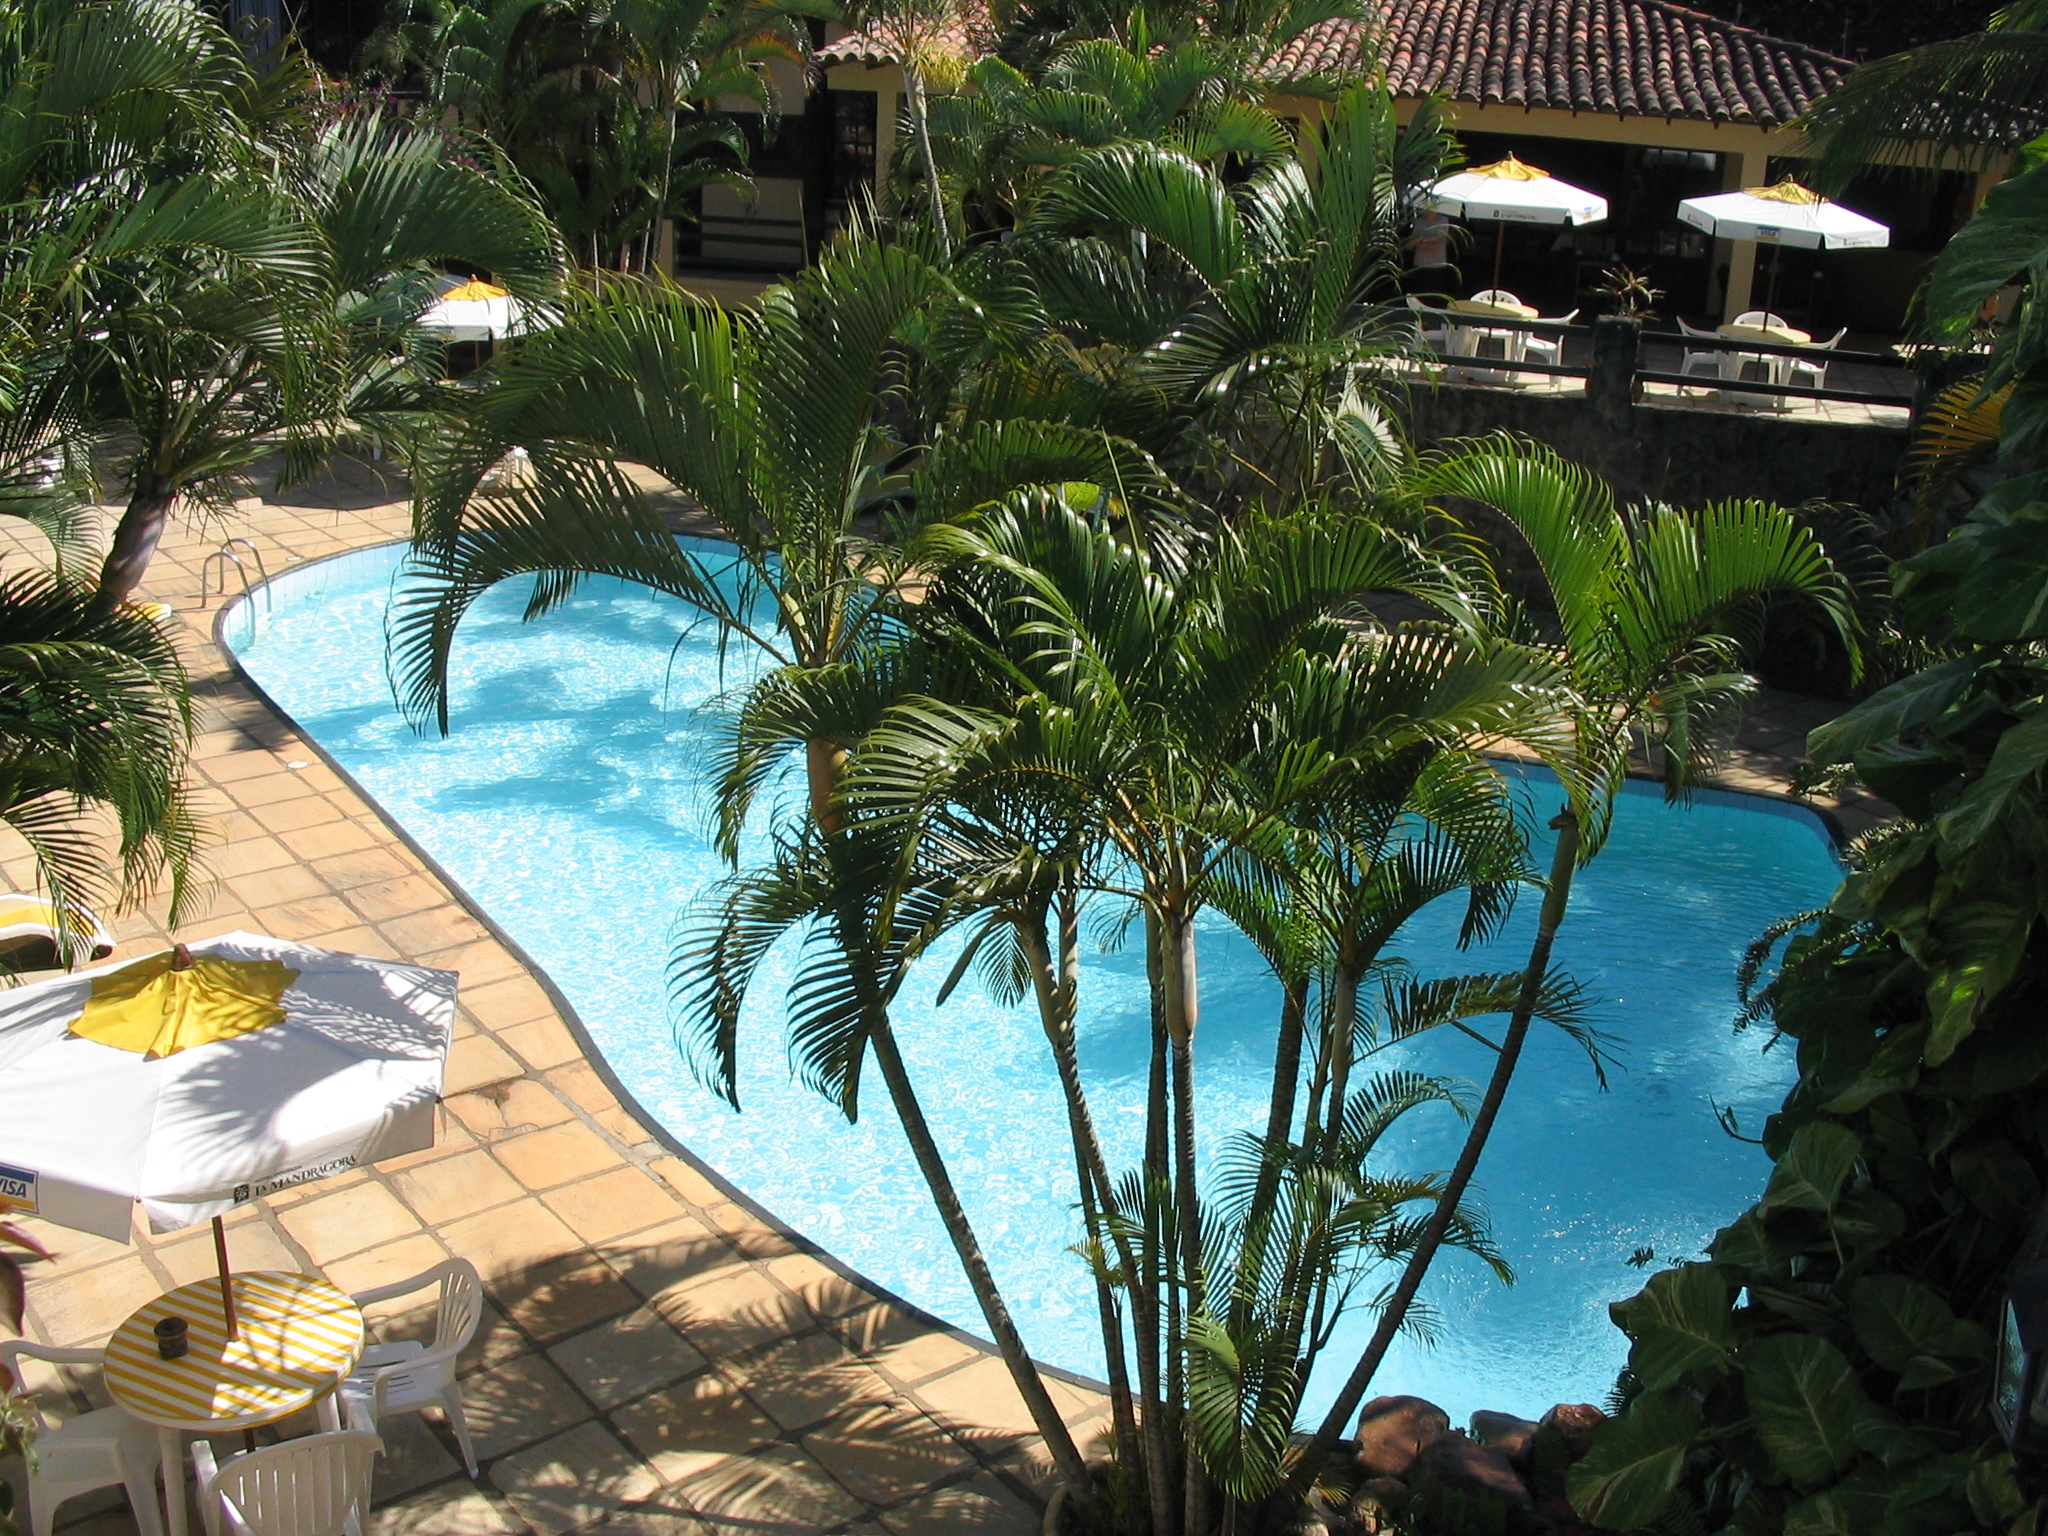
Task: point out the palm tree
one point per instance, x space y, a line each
274 296
1260 312
612 110
207 317
922 34
95 723
1176 707
1643 611
1969 99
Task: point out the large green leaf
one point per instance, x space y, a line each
2010 232
1906 1327
1810 1175
2003 593
1626 1479
1836 1513
1891 712
1679 1321
1805 1402
2021 753
1981 945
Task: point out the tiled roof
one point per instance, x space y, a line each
1632 58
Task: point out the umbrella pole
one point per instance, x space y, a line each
227 1290
1771 288
1500 239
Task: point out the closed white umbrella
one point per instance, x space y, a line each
474 311
342 1069
1781 215
1510 192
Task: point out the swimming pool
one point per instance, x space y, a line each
572 801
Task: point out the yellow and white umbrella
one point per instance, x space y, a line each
474 311
1782 215
1512 192
198 1080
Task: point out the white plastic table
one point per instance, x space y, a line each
1467 331
1777 369
296 1341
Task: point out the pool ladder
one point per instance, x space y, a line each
227 557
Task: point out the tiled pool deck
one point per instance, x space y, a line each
657 1357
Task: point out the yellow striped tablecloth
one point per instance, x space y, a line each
297 1338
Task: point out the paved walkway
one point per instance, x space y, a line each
656 1358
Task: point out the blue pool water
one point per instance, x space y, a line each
572 802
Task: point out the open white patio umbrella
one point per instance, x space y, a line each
1510 192
260 1065
1782 215
474 311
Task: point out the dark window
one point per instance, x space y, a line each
850 157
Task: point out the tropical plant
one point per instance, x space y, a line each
997 139
95 722
1082 719
1826 1367
220 277
1640 611
1249 320
614 111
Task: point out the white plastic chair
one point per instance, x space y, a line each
1496 296
1547 349
1705 364
94 1450
1761 317
1435 334
409 1376
1812 373
318 1485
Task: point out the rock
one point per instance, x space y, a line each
1393 1431
1504 1432
1575 1423
1458 1463
1378 1504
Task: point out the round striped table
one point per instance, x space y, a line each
297 1337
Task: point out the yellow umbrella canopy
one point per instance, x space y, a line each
476 288
171 1002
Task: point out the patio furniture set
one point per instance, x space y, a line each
189 1083
179 1366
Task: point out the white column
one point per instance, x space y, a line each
886 98
1752 169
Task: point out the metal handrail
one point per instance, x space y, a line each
1507 365
226 556
1720 343
1761 387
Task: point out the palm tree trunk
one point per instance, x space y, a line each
1057 990
823 761
1343 1022
1183 1009
1563 864
1058 1442
1286 1084
1158 1277
921 129
136 537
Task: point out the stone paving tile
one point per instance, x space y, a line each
654 1360
880 1447
775 1491
982 1505
573 1479
626 1357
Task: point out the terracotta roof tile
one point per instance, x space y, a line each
1643 58
1632 58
